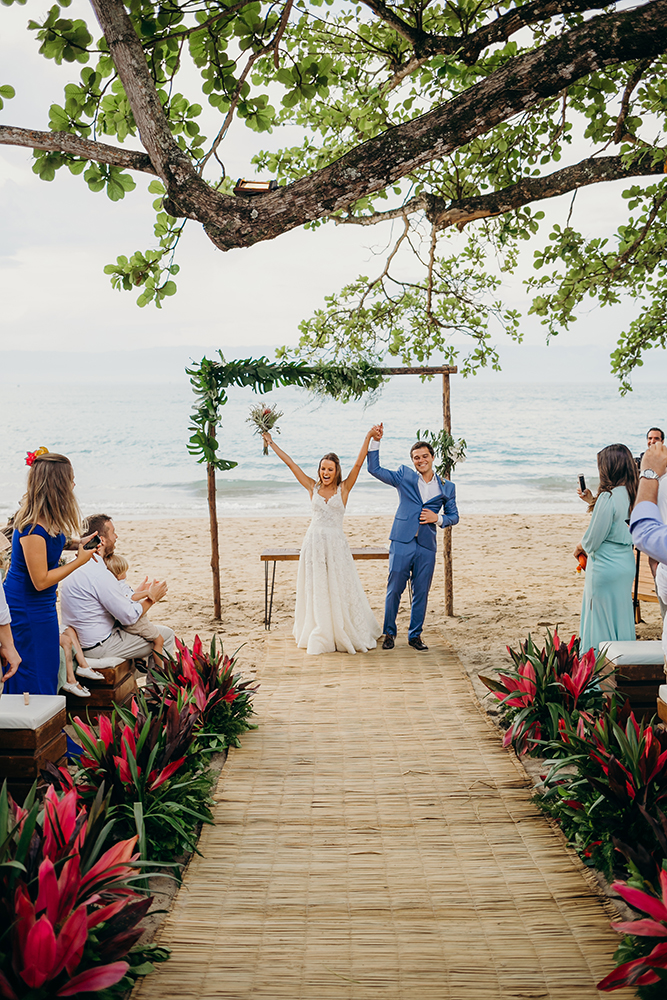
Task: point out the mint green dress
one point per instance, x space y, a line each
606 609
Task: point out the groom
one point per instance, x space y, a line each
425 501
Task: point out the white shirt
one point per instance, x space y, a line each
5 617
426 490
91 601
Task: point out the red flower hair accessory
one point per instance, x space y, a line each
32 455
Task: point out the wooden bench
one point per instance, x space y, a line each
292 555
30 735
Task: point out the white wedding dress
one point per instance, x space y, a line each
332 611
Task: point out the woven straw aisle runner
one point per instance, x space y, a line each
373 839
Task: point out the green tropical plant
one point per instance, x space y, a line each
158 790
206 682
608 785
70 919
545 689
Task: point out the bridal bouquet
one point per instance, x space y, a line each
265 419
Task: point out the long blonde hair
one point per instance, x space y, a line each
49 498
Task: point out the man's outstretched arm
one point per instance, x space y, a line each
649 534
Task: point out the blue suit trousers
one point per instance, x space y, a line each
408 560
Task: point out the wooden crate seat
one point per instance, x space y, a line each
639 669
118 686
30 735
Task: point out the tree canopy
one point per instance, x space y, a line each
450 117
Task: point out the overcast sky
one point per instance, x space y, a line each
56 238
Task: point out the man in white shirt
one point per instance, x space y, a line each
425 501
94 604
9 657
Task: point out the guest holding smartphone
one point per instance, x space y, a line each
48 512
606 610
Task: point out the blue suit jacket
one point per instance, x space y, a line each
406 522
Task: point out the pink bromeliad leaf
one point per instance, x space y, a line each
165 774
39 953
112 864
69 881
6 988
95 979
105 913
642 928
642 900
124 772
106 730
48 897
71 942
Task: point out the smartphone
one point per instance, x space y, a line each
93 543
582 484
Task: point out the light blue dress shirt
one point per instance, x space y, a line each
649 534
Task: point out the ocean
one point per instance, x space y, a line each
526 444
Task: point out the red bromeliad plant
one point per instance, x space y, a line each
157 785
207 683
607 785
650 966
71 917
544 687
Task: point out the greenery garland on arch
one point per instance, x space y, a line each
210 381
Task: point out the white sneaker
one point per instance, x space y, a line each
89 673
76 689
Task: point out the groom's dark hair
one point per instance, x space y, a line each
422 444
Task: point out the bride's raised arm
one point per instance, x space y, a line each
353 474
298 473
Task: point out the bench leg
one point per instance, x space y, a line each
268 602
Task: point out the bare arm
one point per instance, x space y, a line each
298 473
9 658
353 474
34 551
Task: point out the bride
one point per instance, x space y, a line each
332 611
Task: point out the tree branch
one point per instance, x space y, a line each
532 189
442 214
67 142
185 189
469 47
633 80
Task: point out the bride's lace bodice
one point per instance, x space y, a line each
328 514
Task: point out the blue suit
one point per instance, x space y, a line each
412 545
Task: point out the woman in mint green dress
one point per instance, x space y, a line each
606 609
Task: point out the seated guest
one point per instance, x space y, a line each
119 566
71 648
649 533
95 606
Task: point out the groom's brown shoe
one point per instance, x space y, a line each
388 642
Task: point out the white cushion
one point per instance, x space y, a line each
15 715
662 693
643 652
104 662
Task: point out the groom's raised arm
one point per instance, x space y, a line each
387 476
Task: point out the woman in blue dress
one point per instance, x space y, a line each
47 513
606 609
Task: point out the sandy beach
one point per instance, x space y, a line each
513 574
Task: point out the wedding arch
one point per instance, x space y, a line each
210 381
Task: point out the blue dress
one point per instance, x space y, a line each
34 619
606 609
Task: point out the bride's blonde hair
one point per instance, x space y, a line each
49 497
331 457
